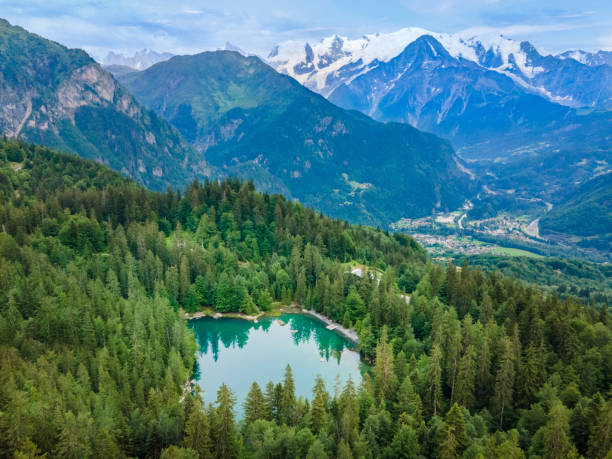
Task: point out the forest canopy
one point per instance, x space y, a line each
95 354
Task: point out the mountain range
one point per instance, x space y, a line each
140 60
250 121
584 57
336 60
223 113
218 114
489 95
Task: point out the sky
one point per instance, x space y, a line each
189 26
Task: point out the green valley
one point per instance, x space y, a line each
254 123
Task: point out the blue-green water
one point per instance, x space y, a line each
238 352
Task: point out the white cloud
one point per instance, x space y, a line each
605 42
188 26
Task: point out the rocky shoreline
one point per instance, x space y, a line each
349 334
227 315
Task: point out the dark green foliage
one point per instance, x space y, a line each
254 123
580 278
95 355
587 213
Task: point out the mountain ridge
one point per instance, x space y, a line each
491 97
62 98
324 65
247 118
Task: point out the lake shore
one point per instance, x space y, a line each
223 315
349 334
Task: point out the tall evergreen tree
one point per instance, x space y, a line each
254 405
504 381
434 380
287 406
225 428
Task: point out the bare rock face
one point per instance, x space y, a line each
62 98
13 110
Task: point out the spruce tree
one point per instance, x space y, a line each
254 405
225 428
287 405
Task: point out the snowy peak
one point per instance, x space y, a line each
587 58
338 60
321 65
140 60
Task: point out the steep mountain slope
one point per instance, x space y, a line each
336 60
586 213
490 96
427 87
256 123
60 97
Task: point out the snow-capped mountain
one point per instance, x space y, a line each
587 58
337 60
231 47
139 61
486 93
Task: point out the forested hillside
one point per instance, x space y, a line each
585 213
62 98
253 123
94 354
566 276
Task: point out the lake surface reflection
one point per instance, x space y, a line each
237 352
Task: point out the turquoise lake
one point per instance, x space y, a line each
237 352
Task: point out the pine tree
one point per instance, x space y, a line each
449 447
185 280
197 431
405 443
300 289
504 381
344 450
354 304
454 419
287 406
434 380
385 379
254 405
556 441
74 440
466 377
318 416
269 402
600 440
409 401
317 451
349 412
225 430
